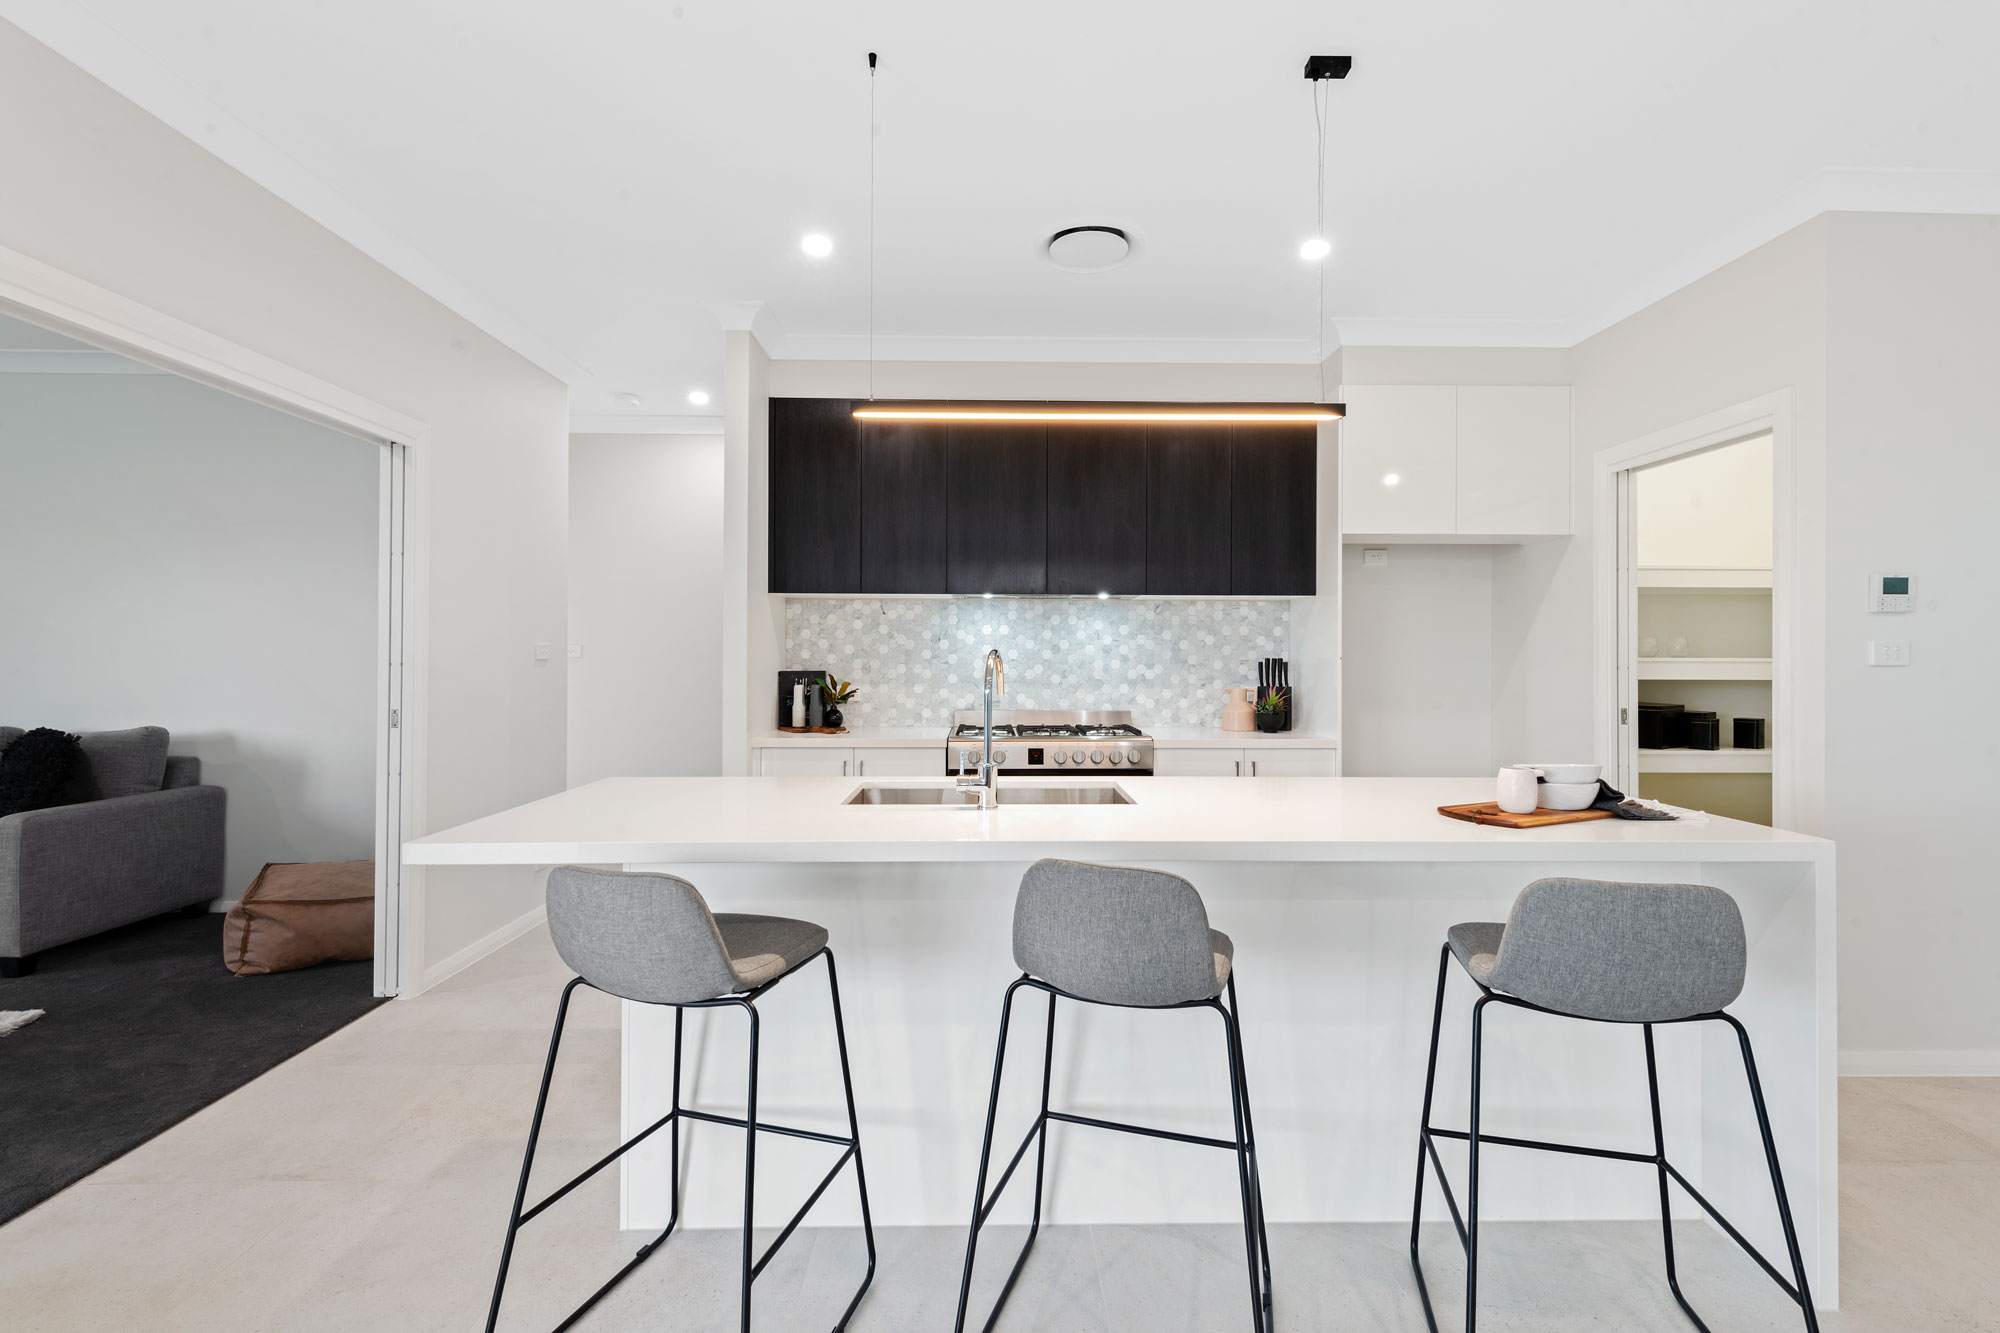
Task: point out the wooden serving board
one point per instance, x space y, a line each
1487 812
815 731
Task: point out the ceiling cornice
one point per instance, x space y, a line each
614 424
104 54
51 361
1199 351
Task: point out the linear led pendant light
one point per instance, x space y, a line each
1139 414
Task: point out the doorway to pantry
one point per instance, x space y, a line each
1701 561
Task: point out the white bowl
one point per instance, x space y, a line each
1570 772
1566 795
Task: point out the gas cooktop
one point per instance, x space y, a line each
1045 741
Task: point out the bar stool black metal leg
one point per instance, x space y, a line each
528 1157
1472 1173
854 1133
674 1212
981 1205
1660 1154
1425 1150
1250 1136
1804 1292
1243 1167
749 1161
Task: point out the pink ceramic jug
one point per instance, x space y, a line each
1237 714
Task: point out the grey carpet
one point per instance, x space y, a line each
145 1026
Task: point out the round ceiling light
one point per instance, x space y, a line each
818 245
699 397
1088 249
1316 249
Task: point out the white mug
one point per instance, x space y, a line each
1517 795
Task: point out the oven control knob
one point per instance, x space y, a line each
1097 756
1062 757
999 756
1117 756
1076 756
967 758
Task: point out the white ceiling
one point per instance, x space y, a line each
588 179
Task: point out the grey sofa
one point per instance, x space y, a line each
139 836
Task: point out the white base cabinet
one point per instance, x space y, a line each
1251 762
803 763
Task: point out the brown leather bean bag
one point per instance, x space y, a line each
296 914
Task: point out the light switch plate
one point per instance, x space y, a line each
542 652
1888 652
576 650
1375 557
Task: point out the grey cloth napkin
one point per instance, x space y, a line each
1610 798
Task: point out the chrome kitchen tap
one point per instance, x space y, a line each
994 682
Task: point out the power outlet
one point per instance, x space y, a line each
1888 652
1374 557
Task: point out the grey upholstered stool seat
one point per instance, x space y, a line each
1641 954
1135 939
651 938
1118 936
1622 953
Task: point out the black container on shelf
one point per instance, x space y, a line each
1749 733
1662 726
1704 731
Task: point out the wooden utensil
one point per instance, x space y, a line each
1486 812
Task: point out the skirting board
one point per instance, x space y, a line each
445 968
1920 1064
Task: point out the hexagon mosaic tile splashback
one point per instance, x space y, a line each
913 662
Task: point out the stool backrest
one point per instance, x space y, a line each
1119 936
638 935
1627 953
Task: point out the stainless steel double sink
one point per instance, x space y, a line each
953 798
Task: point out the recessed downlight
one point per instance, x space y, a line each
1392 479
1315 249
817 244
699 397
631 400
1091 249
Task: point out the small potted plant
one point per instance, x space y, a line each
832 695
1272 710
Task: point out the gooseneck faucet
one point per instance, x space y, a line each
993 682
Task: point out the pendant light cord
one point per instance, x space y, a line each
1320 97
871 226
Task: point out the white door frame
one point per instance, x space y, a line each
1615 588
47 296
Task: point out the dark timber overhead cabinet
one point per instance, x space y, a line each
1058 508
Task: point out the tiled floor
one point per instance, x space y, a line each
363 1186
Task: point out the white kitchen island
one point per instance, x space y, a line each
1337 893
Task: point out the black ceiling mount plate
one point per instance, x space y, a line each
1328 67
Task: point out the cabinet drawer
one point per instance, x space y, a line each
918 761
803 763
1291 764
1196 762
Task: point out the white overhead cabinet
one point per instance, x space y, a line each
1455 462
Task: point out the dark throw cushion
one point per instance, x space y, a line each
120 763
36 768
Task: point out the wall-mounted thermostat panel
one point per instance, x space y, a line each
1892 592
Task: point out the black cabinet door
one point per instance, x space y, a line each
1273 500
1187 510
997 520
1097 509
904 472
815 461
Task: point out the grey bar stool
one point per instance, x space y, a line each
651 938
1137 939
1609 953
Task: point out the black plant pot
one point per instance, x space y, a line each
831 717
1270 721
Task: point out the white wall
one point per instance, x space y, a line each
1913 335
645 605
187 559
106 193
1417 656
